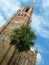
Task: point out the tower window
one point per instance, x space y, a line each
19 14
24 14
22 61
26 62
27 9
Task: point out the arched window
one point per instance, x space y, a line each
22 61
26 62
27 9
19 14
24 15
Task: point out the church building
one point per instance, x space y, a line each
8 56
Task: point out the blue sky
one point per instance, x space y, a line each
40 23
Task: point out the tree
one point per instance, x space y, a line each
23 38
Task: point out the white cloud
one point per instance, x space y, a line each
45 7
25 1
42 49
2 21
7 8
43 21
39 59
39 25
45 3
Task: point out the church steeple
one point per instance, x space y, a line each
32 4
29 8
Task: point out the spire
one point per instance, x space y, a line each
36 50
32 4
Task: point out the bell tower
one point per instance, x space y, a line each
21 17
24 15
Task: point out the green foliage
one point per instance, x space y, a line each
23 38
